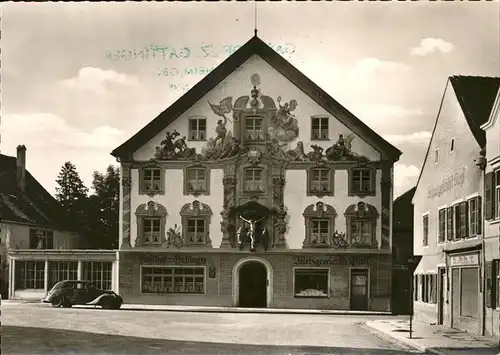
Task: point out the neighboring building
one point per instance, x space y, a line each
256 139
492 223
402 251
448 218
36 236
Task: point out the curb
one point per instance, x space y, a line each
387 337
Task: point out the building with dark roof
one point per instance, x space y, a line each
448 208
491 240
36 234
402 251
257 189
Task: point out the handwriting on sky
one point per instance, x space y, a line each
189 55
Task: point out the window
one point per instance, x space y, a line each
197 129
490 194
41 239
151 231
319 128
436 156
254 129
151 220
319 220
173 280
425 230
361 228
415 287
61 271
492 275
497 194
475 216
254 180
99 273
361 181
311 282
196 217
456 214
151 180
320 182
442 225
497 283
449 223
196 180
30 275
452 145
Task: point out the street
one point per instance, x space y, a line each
41 329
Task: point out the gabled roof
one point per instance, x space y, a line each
254 46
33 206
476 96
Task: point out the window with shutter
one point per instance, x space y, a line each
495 289
463 220
456 214
442 225
479 215
489 212
434 288
449 223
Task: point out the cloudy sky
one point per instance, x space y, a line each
75 85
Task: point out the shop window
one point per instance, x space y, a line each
319 128
151 180
99 273
320 182
320 225
361 181
311 282
442 225
475 216
197 129
469 291
30 275
151 219
41 238
62 271
361 220
173 279
196 219
196 180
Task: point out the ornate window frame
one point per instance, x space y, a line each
321 211
150 210
197 118
196 209
331 182
264 176
373 177
361 212
200 192
152 165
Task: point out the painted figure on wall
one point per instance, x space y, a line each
285 126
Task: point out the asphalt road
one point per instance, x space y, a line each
41 329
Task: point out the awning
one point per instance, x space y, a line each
429 263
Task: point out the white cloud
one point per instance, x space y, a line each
405 177
97 80
422 137
373 65
49 130
430 45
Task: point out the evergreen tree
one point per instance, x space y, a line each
105 204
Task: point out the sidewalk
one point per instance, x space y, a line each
208 309
434 339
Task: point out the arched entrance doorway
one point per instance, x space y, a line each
252 283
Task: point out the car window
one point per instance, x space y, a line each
79 285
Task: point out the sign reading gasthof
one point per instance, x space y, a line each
155 259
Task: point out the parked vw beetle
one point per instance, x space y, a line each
69 293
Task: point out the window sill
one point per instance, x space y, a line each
493 221
197 140
322 297
197 192
362 193
320 139
149 193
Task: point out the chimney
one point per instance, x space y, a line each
21 167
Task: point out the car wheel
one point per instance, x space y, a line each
66 303
107 303
56 302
